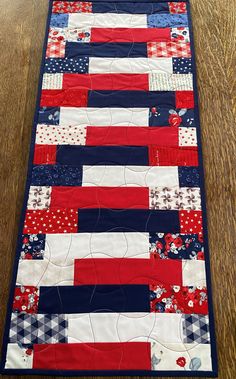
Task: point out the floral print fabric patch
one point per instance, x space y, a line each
112 265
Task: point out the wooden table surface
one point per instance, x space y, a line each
22 26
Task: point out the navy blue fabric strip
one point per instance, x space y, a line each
108 50
114 220
91 298
130 99
66 65
101 155
133 8
56 175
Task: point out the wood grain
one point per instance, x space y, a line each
22 33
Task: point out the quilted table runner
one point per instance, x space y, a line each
112 266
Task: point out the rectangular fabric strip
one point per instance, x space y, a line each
111 272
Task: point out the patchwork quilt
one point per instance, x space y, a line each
112 266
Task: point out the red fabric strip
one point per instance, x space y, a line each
100 197
127 271
130 34
184 99
173 156
45 154
65 98
93 356
106 81
125 136
51 221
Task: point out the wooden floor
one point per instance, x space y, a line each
22 25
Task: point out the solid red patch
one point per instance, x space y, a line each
173 156
184 99
126 136
110 82
45 154
127 271
64 98
130 34
100 197
93 356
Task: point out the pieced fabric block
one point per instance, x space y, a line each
182 65
187 137
196 329
60 135
39 197
168 198
51 221
111 271
59 20
177 7
180 35
191 221
71 6
55 50
169 49
52 81
170 82
37 329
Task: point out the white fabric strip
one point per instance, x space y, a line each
44 273
125 327
52 81
60 135
64 248
194 273
130 65
17 357
132 176
194 355
170 82
104 116
107 20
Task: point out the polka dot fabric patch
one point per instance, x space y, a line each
111 272
51 221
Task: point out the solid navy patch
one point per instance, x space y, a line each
108 50
99 298
102 155
130 99
132 8
114 220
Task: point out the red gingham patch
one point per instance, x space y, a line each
190 222
69 7
51 221
169 49
56 49
177 7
